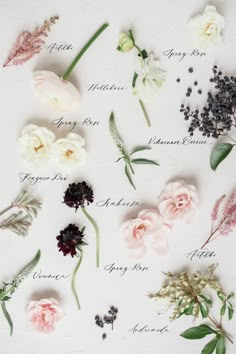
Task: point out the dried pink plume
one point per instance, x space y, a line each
28 44
215 211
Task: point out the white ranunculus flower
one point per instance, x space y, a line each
35 144
69 150
150 78
55 92
207 27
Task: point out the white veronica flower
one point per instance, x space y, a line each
150 78
35 143
207 27
69 151
58 94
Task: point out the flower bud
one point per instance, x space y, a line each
125 43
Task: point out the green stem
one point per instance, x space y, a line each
96 231
145 112
127 160
73 281
83 50
5 210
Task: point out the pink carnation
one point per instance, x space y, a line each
148 230
178 201
42 314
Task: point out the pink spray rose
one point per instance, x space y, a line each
42 314
178 201
148 230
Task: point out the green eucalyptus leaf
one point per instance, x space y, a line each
204 310
222 310
198 332
210 347
220 346
129 177
144 162
206 299
230 313
219 153
7 317
220 296
140 148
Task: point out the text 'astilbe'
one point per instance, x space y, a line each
29 43
223 218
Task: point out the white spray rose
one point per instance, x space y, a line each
58 94
69 151
207 27
150 78
35 144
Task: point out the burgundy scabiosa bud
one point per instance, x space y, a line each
78 194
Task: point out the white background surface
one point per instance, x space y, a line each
158 26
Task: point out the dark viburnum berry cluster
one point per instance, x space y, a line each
70 240
218 115
77 194
107 319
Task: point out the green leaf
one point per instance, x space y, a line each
206 299
27 269
7 317
219 153
222 310
229 296
230 313
129 177
204 310
210 347
144 54
220 296
6 298
140 148
119 48
197 332
144 162
220 346
134 79
189 310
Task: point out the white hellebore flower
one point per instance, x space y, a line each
207 27
54 91
69 150
35 144
150 78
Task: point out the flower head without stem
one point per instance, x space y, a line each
77 194
70 240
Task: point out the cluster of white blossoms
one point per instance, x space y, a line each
38 144
185 292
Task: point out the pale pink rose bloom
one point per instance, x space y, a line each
42 314
178 201
147 230
56 93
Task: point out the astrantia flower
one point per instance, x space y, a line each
150 78
35 144
69 151
207 27
70 240
77 194
55 92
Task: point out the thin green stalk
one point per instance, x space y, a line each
83 50
145 112
5 210
127 159
73 281
96 231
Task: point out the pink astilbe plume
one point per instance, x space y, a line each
29 43
227 219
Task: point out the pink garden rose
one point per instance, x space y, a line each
42 314
148 230
178 201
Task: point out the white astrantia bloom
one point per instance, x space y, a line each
207 27
55 92
35 144
69 151
150 78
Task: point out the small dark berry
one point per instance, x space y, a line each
104 336
190 70
178 80
199 92
195 83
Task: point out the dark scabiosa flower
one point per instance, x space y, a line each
78 194
70 240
